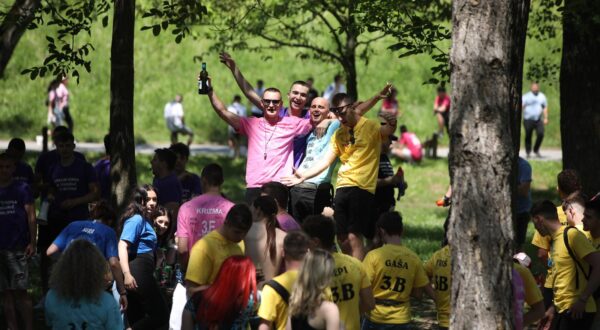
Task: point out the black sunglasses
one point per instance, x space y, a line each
267 102
339 110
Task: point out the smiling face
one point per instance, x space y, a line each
271 104
319 110
297 96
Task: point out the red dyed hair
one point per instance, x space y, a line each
229 293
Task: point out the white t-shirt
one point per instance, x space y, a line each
237 108
174 112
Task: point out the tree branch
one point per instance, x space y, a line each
336 37
366 42
300 45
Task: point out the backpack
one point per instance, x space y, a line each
578 265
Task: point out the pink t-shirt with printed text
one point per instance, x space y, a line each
411 141
200 216
274 141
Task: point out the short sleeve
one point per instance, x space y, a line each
111 244
580 245
334 147
27 195
365 280
542 242
368 267
268 305
245 125
61 240
533 295
183 222
544 101
421 278
428 266
200 264
132 229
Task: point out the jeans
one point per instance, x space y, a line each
538 126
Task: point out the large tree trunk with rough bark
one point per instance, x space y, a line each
579 91
14 25
122 172
488 42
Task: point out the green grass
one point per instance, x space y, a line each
163 68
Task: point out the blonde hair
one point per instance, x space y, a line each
313 279
79 273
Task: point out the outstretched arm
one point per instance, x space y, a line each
229 117
365 106
245 86
298 177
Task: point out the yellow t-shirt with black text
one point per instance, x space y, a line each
272 307
349 277
394 271
439 269
208 254
564 269
359 160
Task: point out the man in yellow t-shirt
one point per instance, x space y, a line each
591 223
396 273
357 143
208 254
571 256
439 268
350 287
273 310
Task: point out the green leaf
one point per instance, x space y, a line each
156 30
105 21
34 73
178 38
50 39
165 25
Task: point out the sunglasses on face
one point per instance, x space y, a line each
268 102
339 110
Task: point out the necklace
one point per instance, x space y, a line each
270 137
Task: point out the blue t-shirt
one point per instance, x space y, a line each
524 173
140 234
99 234
72 181
23 172
102 169
168 189
14 227
533 105
64 314
299 141
190 186
316 149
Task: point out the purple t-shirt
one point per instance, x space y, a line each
190 186
168 189
23 172
14 229
299 141
69 182
102 169
47 159
287 222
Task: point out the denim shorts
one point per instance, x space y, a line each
14 273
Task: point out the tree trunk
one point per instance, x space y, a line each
122 172
579 90
14 25
486 62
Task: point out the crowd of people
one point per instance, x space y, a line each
299 253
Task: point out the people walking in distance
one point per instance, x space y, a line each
174 117
441 110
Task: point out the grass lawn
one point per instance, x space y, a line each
423 219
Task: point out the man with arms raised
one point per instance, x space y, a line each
270 140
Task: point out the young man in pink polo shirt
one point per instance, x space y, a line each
270 140
202 214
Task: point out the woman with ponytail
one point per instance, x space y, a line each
264 241
230 300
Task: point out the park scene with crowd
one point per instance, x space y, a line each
266 196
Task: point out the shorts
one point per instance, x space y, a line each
354 211
309 199
178 128
14 273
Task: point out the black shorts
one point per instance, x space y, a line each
354 211
308 199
